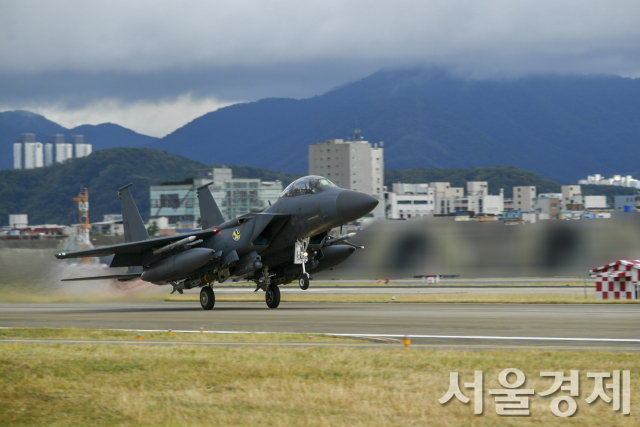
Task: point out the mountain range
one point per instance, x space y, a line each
561 127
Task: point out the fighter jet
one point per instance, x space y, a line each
288 241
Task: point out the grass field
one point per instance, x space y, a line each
500 298
101 334
133 385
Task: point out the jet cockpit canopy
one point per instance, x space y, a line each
307 185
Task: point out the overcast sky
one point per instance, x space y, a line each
153 66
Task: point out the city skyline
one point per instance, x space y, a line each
29 153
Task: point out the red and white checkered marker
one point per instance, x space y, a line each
618 280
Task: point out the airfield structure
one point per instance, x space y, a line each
84 227
618 280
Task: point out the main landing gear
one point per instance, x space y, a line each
271 290
208 298
272 296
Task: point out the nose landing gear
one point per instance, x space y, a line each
304 281
301 257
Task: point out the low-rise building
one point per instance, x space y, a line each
578 206
546 206
569 192
444 190
523 197
475 205
477 188
493 205
18 220
551 195
179 202
403 204
619 202
248 195
401 188
595 202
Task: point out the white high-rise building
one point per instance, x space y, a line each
48 154
33 156
64 151
17 155
82 149
355 165
57 139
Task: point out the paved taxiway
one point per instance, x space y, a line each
458 326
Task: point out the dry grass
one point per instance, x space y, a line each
322 386
522 298
91 294
102 334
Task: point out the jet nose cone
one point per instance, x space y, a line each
352 205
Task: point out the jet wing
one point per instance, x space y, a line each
133 247
120 277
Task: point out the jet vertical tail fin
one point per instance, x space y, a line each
134 229
210 214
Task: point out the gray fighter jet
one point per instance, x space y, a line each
288 241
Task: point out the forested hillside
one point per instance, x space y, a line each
46 194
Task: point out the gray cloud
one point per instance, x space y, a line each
75 88
146 36
72 53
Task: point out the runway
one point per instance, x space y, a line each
418 289
450 326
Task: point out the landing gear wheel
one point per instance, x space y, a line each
207 298
304 281
272 296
